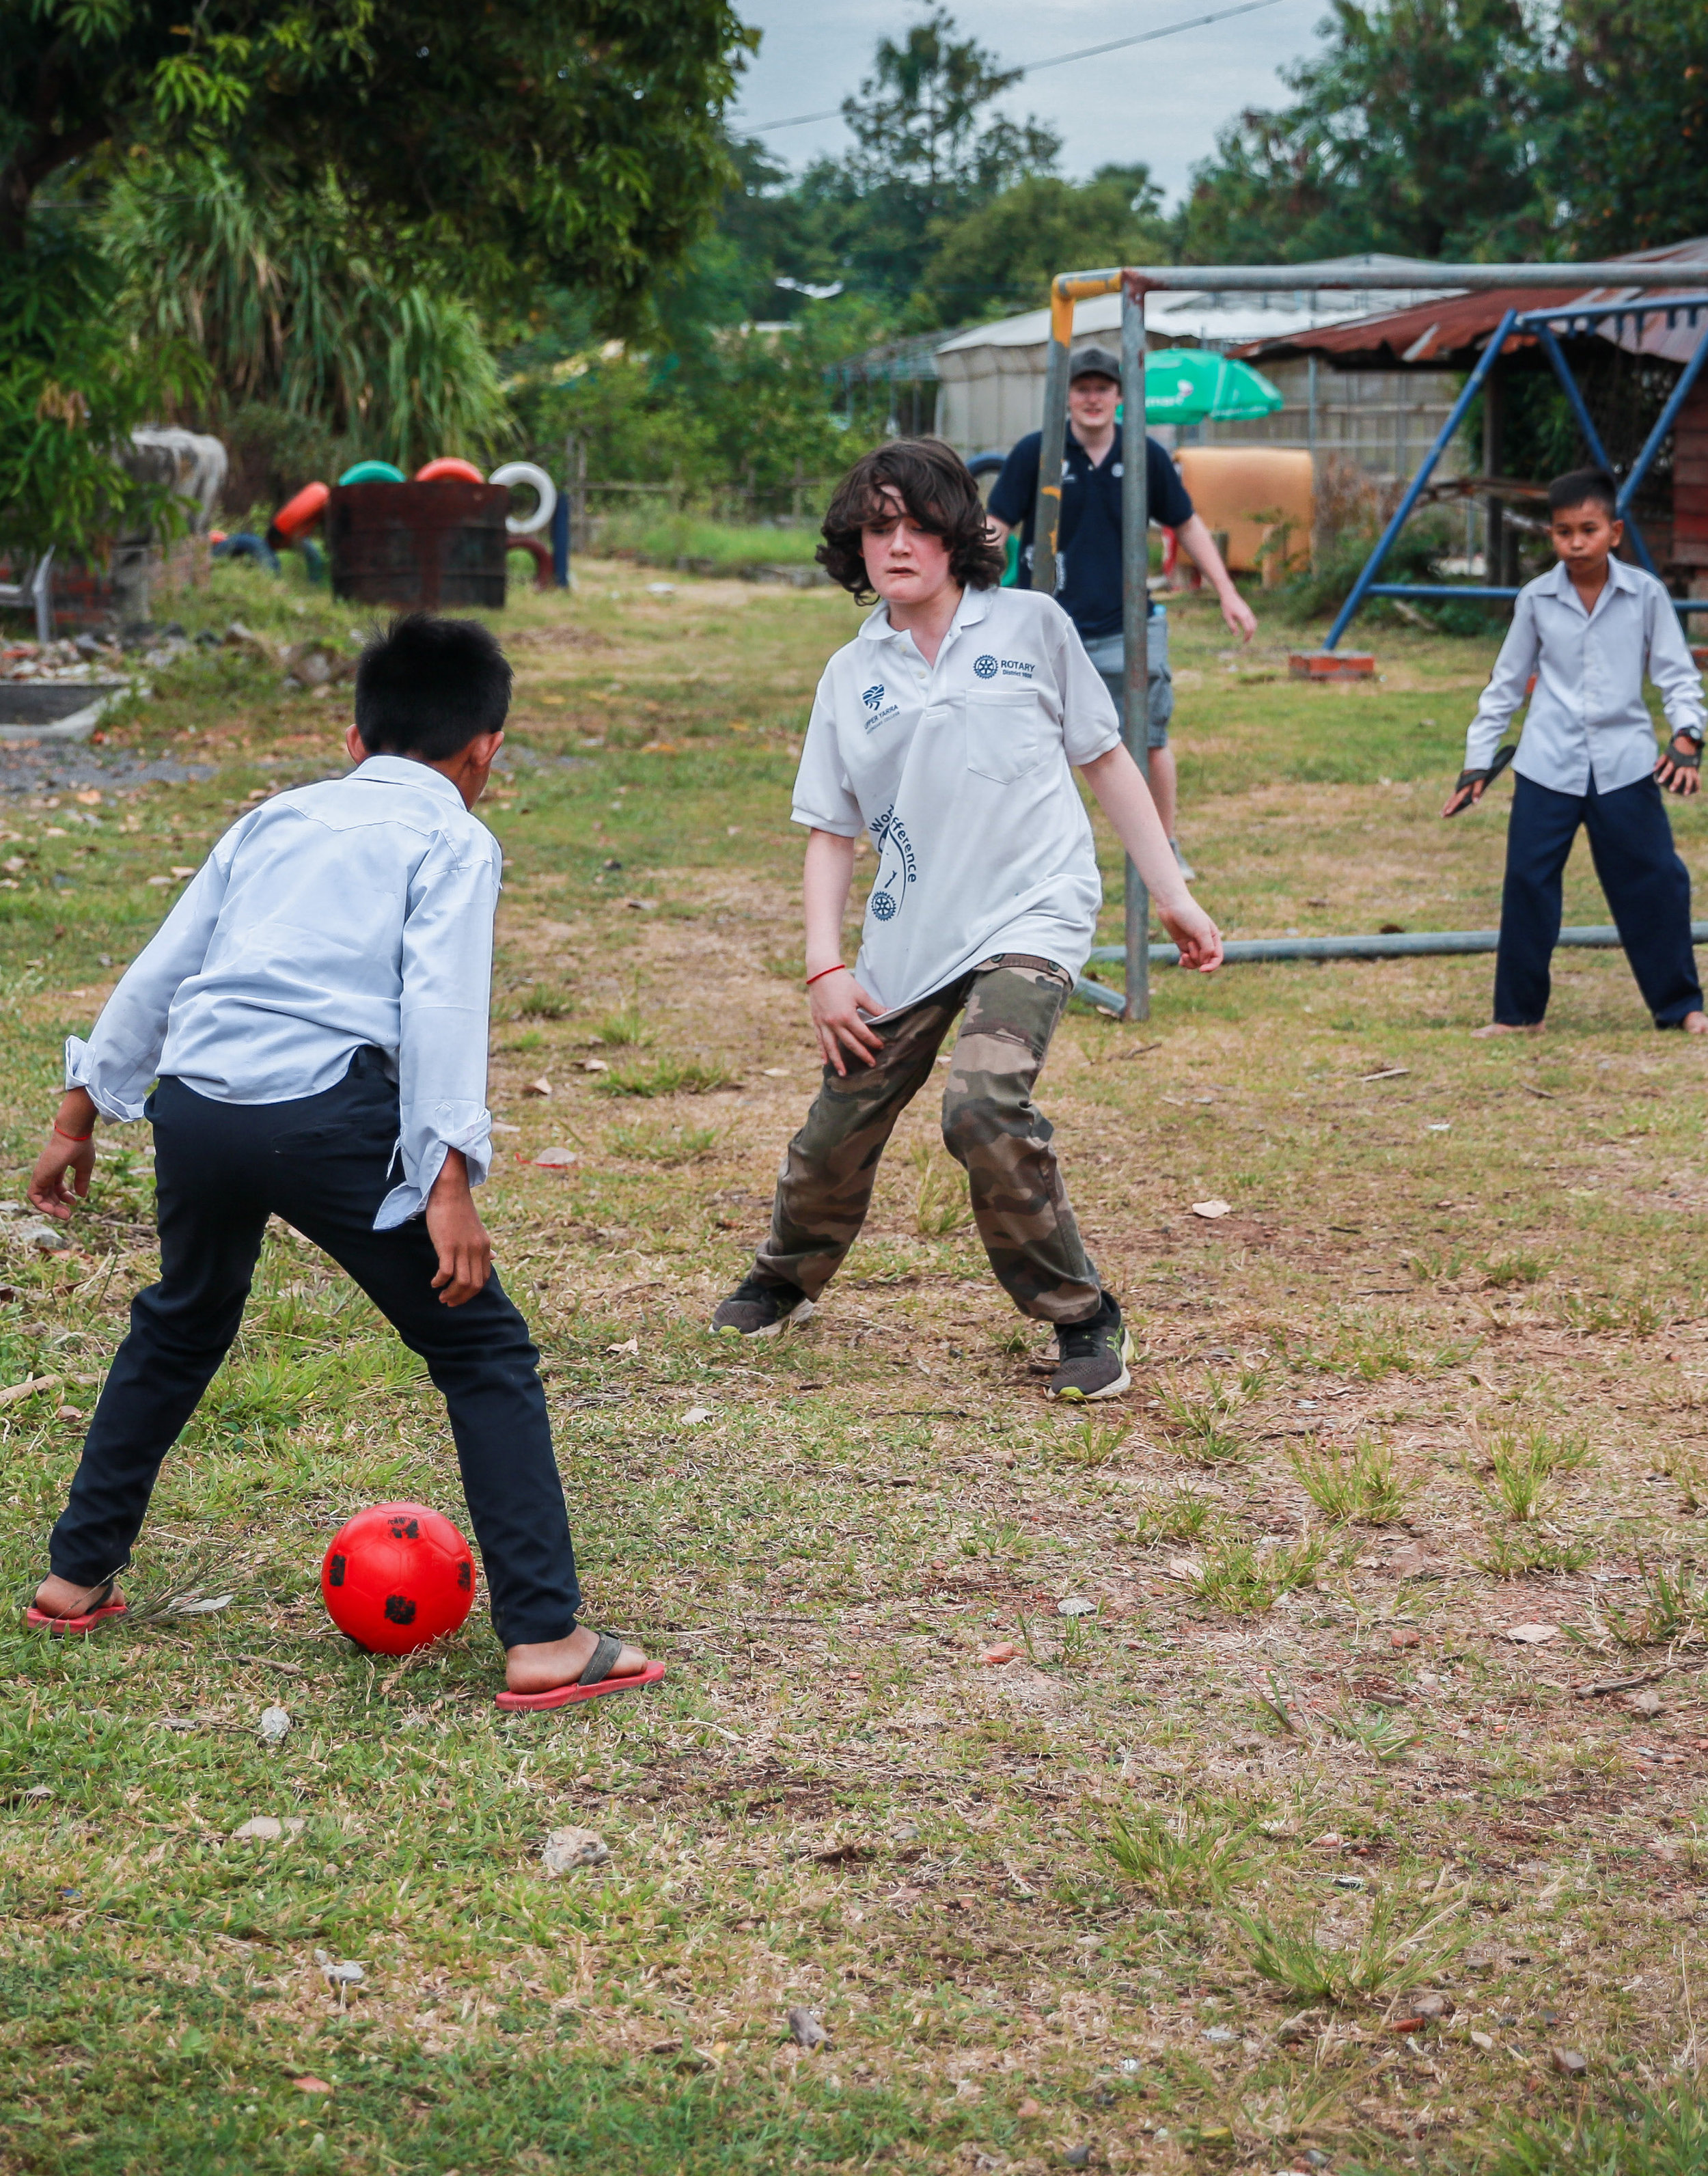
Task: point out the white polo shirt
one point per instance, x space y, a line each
961 773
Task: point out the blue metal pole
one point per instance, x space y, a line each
560 538
1473 386
1548 341
1475 591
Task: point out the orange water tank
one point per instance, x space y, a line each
1250 493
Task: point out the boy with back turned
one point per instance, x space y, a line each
1589 630
307 1033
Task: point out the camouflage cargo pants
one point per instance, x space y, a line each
990 1124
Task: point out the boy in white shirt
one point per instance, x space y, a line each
1588 630
312 1014
946 730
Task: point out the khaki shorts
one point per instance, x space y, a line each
1108 654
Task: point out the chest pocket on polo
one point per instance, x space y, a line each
1007 736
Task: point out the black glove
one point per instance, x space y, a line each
1503 756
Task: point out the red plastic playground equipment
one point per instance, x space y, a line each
413 518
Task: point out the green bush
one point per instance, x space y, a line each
1415 555
1326 585
73 385
715 410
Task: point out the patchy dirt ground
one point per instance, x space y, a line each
1295 1764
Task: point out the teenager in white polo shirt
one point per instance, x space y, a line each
946 730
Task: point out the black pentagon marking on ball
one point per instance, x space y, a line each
399 1609
335 1571
466 1575
406 1530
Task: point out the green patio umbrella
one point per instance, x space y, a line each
1185 384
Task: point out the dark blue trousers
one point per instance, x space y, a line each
323 1163
1647 886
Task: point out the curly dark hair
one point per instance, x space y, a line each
938 489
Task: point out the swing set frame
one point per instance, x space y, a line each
1134 283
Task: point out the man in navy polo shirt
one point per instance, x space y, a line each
1088 548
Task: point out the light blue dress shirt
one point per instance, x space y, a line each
1587 717
351 914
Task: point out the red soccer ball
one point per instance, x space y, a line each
398 1577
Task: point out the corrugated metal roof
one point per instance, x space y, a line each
1452 333
1210 317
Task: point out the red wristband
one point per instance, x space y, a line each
839 969
78 1138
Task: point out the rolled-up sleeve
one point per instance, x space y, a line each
1519 656
442 1017
1090 725
1670 665
118 1062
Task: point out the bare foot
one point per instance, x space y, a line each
1694 1023
58 1597
1502 1027
544 1665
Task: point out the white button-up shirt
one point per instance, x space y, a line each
355 913
959 772
1587 717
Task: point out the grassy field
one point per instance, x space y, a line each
666 538
1284 1853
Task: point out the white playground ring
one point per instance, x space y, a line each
528 472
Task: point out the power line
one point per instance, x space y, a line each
1145 37
1055 60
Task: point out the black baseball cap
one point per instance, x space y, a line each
1094 362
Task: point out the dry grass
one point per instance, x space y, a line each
830 1803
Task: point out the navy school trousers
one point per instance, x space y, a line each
1647 886
324 1164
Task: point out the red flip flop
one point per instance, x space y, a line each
595 1681
74 1628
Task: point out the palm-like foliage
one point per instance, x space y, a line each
72 385
293 313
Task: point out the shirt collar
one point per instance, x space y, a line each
404 770
1620 576
974 605
1072 444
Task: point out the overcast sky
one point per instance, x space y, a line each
1162 103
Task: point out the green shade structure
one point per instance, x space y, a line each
1185 384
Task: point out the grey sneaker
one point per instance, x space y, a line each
1091 1357
1184 866
758 1309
